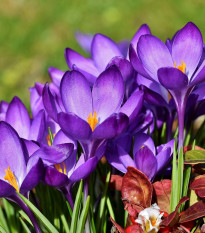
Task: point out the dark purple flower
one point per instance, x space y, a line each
147 158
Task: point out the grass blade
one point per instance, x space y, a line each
76 207
83 216
39 215
24 226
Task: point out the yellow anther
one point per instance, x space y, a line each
92 120
142 147
182 67
59 168
11 178
49 139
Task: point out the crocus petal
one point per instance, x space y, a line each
146 162
111 127
153 54
125 141
143 30
136 63
169 144
84 64
84 170
103 50
163 158
172 78
133 105
11 153
33 177
125 158
84 40
199 76
55 178
50 103
199 91
36 101
156 87
123 47
108 92
37 127
31 146
124 67
17 116
112 156
53 154
56 75
6 189
76 94
3 106
187 47
141 140
61 138
74 126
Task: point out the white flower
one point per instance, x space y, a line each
150 218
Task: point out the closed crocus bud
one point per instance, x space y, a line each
150 218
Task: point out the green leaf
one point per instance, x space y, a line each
110 209
3 221
173 201
50 135
83 216
2 230
76 208
24 226
65 223
195 157
25 216
180 173
39 215
103 201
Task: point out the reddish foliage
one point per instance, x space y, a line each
115 182
119 228
134 229
162 190
198 185
193 212
173 218
136 191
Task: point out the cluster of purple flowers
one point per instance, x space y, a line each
121 94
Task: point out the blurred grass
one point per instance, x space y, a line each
34 33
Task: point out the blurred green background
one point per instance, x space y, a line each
34 33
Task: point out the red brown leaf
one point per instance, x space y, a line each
173 218
119 228
162 190
136 191
193 212
115 182
198 185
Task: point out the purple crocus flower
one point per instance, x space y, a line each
16 114
147 158
15 175
104 53
178 68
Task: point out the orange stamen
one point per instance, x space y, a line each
11 178
182 67
59 168
92 120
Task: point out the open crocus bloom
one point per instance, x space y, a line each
147 158
15 175
150 218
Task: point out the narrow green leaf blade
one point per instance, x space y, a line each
76 208
39 215
83 216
